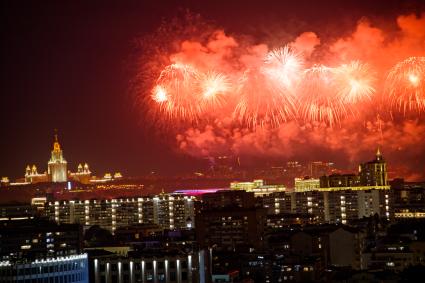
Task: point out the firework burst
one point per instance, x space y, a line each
176 92
214 87
319 102
405 85
263 101
285 66
354 82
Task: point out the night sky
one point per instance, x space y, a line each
67 65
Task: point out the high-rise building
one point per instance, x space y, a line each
331 206
57 165
320 168
374 173
230 221
167 211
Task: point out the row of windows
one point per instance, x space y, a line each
34 270
148 265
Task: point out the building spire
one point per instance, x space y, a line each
56 145
378 154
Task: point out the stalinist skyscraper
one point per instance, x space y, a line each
57 166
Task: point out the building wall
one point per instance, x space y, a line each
167 211
171 268
72 268
231 228
344 249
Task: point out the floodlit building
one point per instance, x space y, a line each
32 176
83 174
374 173
57 165
183 267
306 184
257 187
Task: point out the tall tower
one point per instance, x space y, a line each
57 166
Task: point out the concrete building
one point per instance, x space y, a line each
71 268
306 184
168 211
35 250
230 220
179 267
374 173
331 206
258 187
231 228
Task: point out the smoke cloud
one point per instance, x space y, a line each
355 139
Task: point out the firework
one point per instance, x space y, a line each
177 92
263 100
214 86
354 82
285 66
319 100
405 85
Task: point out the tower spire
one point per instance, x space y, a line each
378 153
56 145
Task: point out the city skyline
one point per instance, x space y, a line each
188 141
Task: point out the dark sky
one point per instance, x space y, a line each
65 65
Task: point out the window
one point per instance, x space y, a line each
173 276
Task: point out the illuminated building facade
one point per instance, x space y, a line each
57 171
167 211
83 174
257 187
306 184
329 206
72 268
150 267
374 173
57 165
32 176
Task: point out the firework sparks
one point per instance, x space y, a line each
264 101
319 100
177 91
354 82
214 87
285 66
405 85
159 94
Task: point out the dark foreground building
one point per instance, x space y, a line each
36 250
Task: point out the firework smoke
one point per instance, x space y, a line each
228 95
